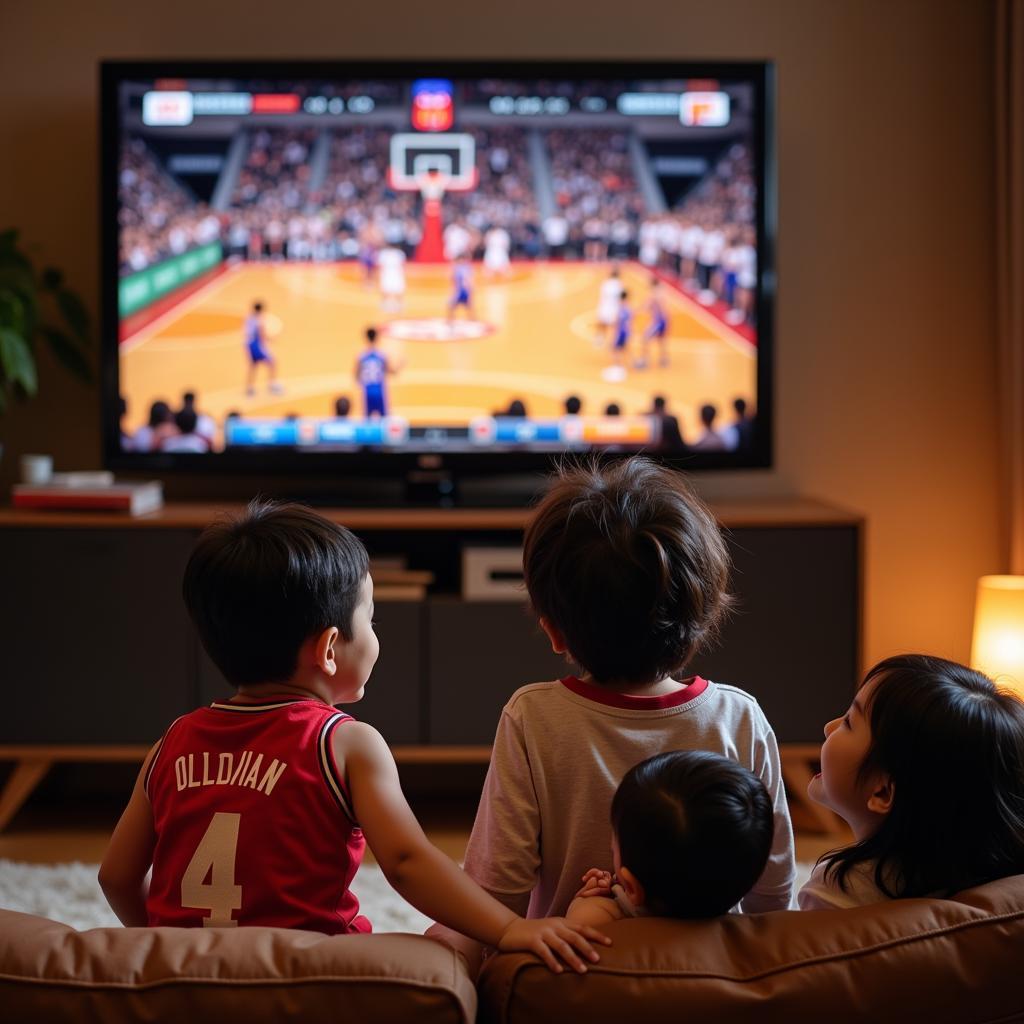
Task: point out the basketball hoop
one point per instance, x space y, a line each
433 165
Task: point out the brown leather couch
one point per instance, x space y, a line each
935 961
938 961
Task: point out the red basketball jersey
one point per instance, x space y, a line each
253 820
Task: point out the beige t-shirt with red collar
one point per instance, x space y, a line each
560 751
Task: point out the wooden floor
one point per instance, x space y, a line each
539 346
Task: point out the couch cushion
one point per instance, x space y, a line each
902 961
51 972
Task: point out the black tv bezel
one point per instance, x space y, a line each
337 466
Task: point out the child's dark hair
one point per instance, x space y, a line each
953 746
260 585
628 564
695 828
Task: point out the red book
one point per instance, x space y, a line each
134 498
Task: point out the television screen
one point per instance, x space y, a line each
454 260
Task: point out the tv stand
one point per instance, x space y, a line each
447 664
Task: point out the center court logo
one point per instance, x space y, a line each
436 329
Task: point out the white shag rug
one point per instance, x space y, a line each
70 893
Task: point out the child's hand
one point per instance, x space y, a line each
596 883
551 935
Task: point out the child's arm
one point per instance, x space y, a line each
596 910
426 877
594 904
596 882
129 856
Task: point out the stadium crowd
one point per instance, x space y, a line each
158 218
707 242
271 191
504 196
599 203
356 200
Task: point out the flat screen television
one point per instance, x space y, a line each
361 268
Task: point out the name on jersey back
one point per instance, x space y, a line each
192 771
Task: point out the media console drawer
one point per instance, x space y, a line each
97 646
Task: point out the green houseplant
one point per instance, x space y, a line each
36 306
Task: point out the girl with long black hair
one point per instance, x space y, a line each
927 768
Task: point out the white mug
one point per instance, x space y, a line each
36 469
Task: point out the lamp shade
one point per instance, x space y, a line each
998 648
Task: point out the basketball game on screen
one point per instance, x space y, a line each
437 264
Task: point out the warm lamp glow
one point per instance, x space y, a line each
998 648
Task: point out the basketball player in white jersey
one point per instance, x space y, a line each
745 258
391 278
456 241
650 247
691 238
497 243
608 308
708 258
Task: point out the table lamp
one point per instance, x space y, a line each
998 648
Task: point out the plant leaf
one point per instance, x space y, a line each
75 314
8 240
20 280
12 257
12 312
17 362
52 278
67 352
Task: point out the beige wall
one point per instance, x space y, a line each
886 357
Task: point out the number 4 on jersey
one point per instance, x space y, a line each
214 857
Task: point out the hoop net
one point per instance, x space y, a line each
432 185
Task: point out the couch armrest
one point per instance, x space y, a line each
51 972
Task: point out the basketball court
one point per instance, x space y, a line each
531 337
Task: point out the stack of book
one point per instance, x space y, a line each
393 580
91 492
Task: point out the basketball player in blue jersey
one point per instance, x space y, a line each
657 329
372 367
462 293
368 256
256 348
623 329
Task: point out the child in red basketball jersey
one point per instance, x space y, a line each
256 810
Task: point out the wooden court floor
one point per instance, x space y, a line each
540 347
